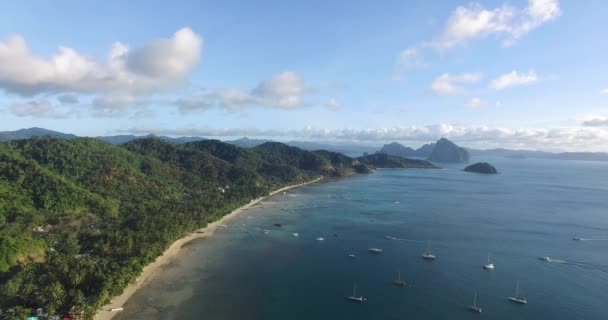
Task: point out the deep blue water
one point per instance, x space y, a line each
533 208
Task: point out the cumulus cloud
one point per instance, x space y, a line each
158 65
474 21
512 79
568 138
286 91
450 84
334 104
604 91
596 121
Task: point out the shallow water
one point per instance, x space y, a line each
533 208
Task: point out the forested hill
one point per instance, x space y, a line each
79 219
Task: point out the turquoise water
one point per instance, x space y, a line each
533 208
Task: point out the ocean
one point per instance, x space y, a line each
533 208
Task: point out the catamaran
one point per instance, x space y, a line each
428 255
517 298
399 282
489 265
474 307
355 298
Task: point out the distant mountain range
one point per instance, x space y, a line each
33 132
352 149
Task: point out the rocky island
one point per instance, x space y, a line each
447 151
481 167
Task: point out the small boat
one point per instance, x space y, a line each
375 250
278 225
116 309
517 298
390 238
545 259
295 234
577 239
489 265
320 239
355 298
399 282
266 231
474 306
427 255
352 256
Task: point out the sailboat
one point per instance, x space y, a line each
428 255
474 306
517 298
354 297
489 265
399 282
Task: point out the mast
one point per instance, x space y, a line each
517 289
355 290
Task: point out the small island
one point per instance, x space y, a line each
481 167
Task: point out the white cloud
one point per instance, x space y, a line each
474 103
286 91
566 138
474 21
158 65
449 84
468 23
604 91
282 91
596 121
334 104
512 79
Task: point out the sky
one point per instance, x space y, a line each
513 74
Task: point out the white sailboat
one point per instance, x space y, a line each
399 282
517 298
489 265
354 297
427 255
474 307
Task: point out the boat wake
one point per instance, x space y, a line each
580 264
400 239
590 239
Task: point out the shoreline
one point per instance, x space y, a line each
171 252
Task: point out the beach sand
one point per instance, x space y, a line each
173 250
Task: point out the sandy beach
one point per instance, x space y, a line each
173 250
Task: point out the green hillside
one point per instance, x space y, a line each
79 219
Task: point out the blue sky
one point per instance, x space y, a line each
518 74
